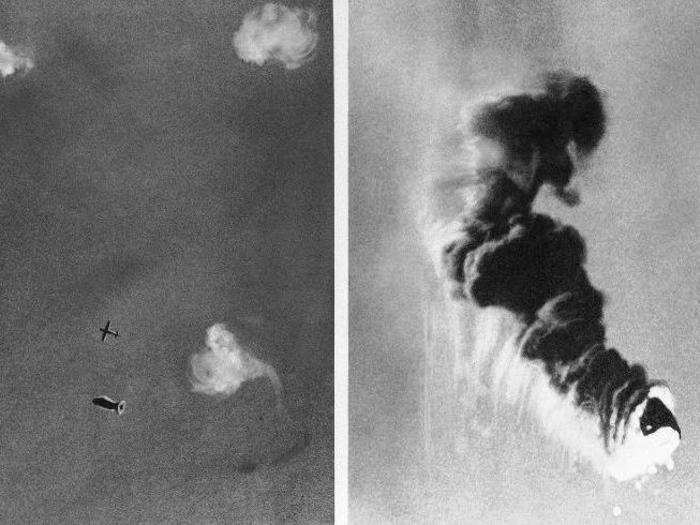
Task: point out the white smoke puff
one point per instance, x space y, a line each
11 61
221 368
274 31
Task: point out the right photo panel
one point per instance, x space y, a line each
523 283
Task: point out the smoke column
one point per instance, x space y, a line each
540 343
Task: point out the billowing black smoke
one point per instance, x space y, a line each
538 130
507 256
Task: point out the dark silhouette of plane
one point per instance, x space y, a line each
106 331
105 402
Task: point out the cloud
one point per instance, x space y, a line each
11 61
220 369
277 32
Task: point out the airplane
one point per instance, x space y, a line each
106 331
105 402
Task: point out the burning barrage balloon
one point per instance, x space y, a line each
540 337
110 404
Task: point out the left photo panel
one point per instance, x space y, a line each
166 262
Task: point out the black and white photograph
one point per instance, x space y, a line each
523 241
166 262
366 262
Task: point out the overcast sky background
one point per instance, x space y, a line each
150 177
411 64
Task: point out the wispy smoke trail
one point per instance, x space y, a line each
221 368
519 265
11 61
277 32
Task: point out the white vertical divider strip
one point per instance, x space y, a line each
340 83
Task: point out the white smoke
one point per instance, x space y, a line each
11 61
499 371
221 368
275 31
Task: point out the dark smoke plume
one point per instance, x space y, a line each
507 257
536 131
539 137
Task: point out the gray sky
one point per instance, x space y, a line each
410 67
152 178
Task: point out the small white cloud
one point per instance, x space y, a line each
12 61
275 31
221 368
